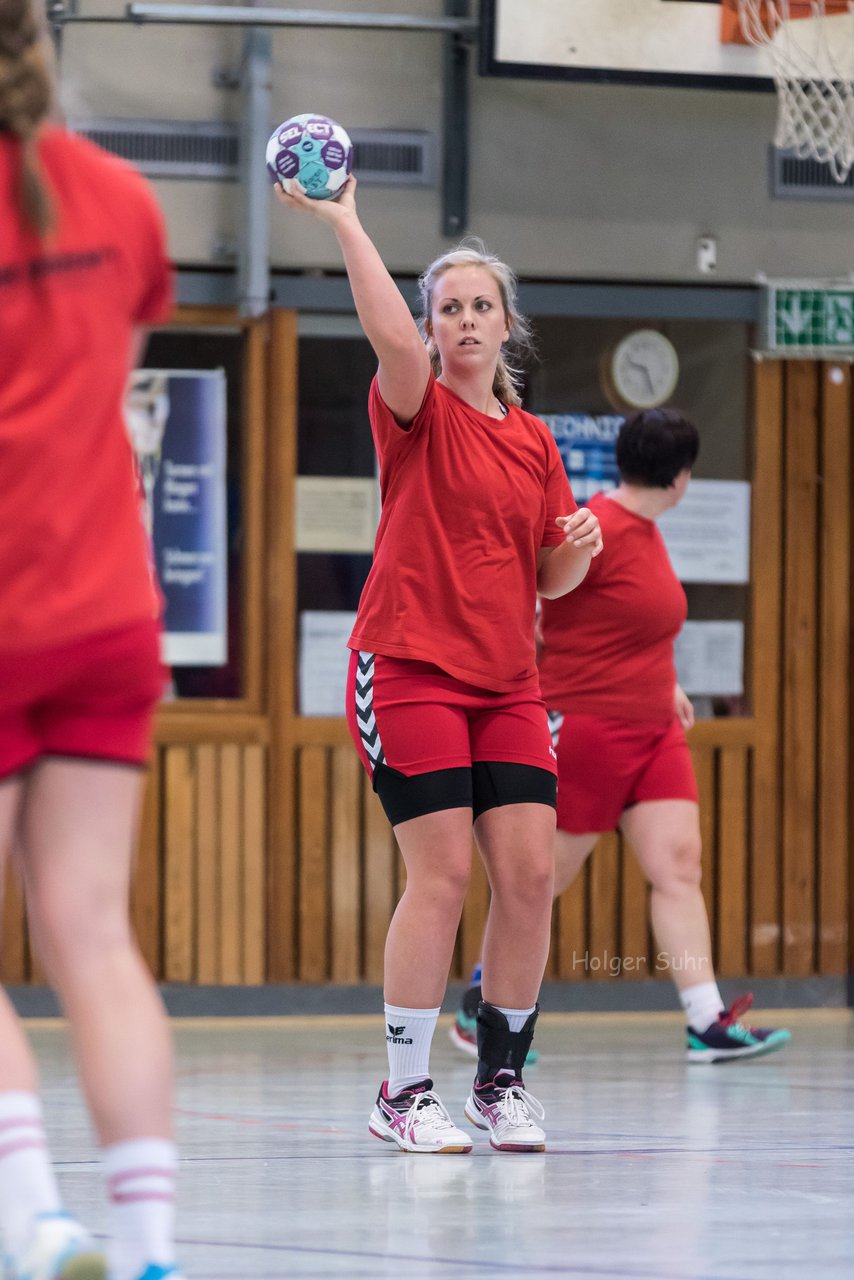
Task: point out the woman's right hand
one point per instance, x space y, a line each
684 708
329 211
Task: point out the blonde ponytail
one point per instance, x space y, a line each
26 95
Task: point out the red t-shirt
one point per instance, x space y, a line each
467 503
73 554
608 645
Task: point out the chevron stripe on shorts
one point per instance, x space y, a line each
365 718
555 726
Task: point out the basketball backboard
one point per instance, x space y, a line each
679 42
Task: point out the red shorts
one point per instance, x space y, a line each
415 718
606 766
93 698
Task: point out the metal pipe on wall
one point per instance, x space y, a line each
246 15
253 255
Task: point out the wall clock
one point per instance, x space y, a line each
642 370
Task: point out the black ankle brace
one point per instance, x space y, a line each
499 1048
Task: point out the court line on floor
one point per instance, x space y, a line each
606 1272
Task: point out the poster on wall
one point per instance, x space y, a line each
177 424
586 443
324 660
336 513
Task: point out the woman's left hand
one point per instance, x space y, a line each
582 530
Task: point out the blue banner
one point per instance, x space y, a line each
177 422
587 446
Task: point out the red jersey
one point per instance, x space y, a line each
73 554
467 503
608 645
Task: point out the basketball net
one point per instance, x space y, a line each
811 48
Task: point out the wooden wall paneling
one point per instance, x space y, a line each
37 975
346 870
179 863
637 963
253 509
146 880
571 940
230 864
732 861
209 897
551 972
314 804
834 693
704 768
604 908
799 667
202 316
13 931
764 668
281 644
380 853
475 911
219 721
254 817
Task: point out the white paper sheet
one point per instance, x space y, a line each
708 534
710 658
323 661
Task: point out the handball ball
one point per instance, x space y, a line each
314 150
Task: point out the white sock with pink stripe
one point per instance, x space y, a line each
27 1183
141 1186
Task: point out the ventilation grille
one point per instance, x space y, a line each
394 157
182 149
170 148
795 179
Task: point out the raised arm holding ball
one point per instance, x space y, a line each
443 700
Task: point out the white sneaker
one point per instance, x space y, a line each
507 1111
416 1120
59 1249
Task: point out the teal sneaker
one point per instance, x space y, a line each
155 1272
59 1249
728 1038
463 1032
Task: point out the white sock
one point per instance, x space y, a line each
516 1018
702 1004
409 1033
141 1185
27 1182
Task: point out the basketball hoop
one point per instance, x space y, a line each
811 47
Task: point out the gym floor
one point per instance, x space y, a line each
655 1170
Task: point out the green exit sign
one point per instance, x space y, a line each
810 317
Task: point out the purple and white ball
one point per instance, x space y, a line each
315 151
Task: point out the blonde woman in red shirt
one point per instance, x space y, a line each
443 702
82 268
618 722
